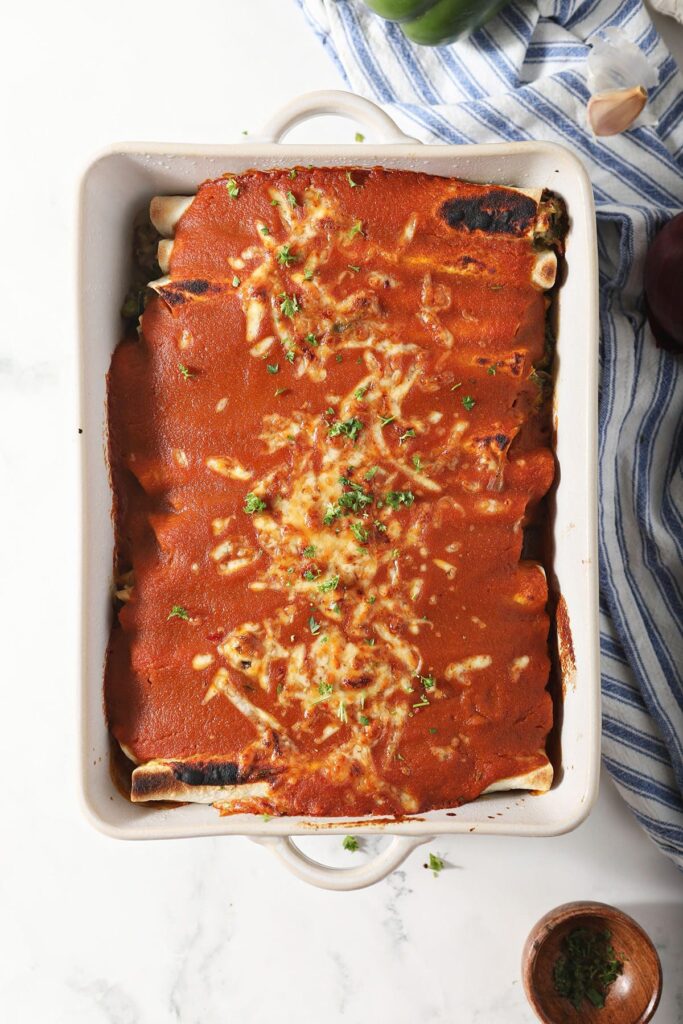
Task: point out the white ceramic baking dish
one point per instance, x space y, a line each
119 182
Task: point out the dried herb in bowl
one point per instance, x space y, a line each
586 967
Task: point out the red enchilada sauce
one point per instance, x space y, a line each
325 444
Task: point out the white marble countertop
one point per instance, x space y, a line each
208 930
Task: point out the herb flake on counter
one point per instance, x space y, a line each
435 864
350 843
359 137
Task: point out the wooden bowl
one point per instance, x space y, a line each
631 999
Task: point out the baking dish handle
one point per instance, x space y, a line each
339 103
340 879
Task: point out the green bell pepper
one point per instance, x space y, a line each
437 22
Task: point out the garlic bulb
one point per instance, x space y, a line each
612 112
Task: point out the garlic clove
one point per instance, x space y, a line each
612 112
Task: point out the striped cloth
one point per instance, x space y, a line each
523 76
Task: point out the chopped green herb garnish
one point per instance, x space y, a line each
232 187
349 428
371 473
332 513
328 585
468 402
359 137
350 843
264 230
289 305
324 691
252 503
371 600
433 730
417 462
273 367
405 435
289 355
456 386
184 372
265 817
586 967
356 270
178 612
280 391
291 199
312 340
429 682
285 255
339 358
309 551
435 864
313 626
386 420
335 607
312 574
352 183
422 703
491 370
359 532
396 498
380 526
274 202
235 281
364 720
360 393
356 229
292 173
370 641
308 274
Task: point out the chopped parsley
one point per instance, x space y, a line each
586 967
308 274
429 682
406 434
235 281
289 305
312 340
265 817
274 202
292 173
324 691
289 355
350 843
232 187
386 420
360 393
360 533
252 504
328 585
291 199
491 370
184 372
309 551
364 720
371 600
178 612
356 229
332 512
313 626
335 607
356 270
433 730
355 499
359 137
285 256
468 402
417 462
371 473
435 864
280 391
312 574
352 183
422 703
349 428
264 230
397 498
273 367
339 358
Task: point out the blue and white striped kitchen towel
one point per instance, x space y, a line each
523 76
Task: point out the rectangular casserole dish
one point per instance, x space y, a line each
121 181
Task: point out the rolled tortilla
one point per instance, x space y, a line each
166 211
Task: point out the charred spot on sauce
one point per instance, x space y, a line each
177 292
498 212
208 773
